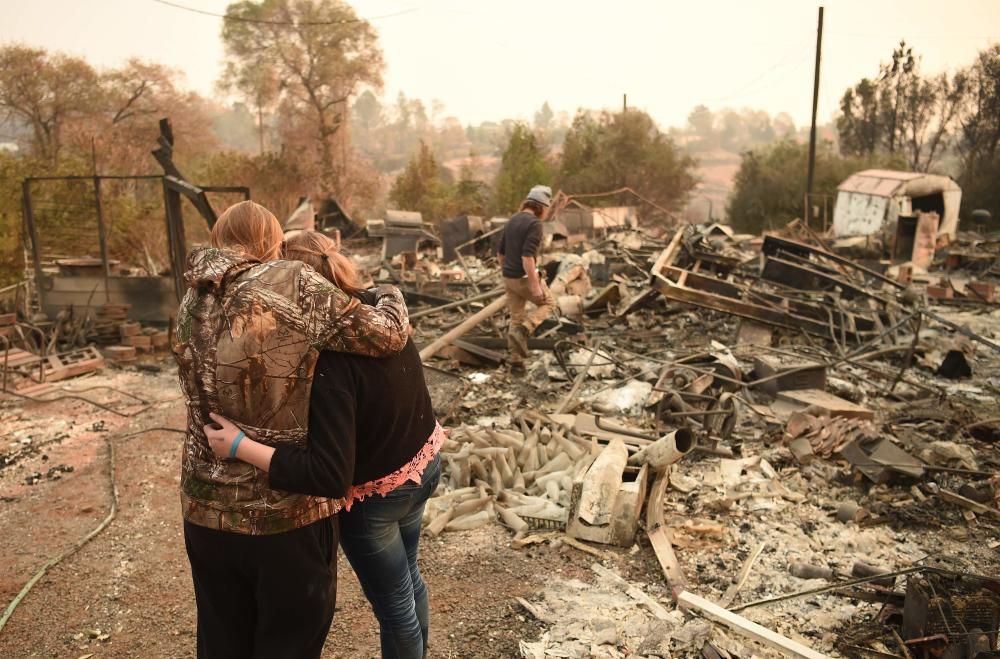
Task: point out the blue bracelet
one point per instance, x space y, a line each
236 442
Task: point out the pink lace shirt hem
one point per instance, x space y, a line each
411 471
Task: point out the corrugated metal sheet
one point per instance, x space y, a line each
881 182
858 213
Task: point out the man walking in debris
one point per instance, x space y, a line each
520 244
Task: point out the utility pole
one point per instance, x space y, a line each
624 102
812 130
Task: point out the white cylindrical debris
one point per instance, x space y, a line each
552 490
439 523
469 522
471 506
666 450
557 463
512 520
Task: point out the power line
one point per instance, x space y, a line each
931 37
262 21
740 91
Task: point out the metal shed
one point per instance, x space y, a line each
872 201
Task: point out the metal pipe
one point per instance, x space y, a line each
102 239
143 177
457 303
666 450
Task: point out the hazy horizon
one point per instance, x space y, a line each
491 61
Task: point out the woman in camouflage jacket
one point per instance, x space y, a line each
249 332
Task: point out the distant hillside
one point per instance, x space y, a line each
716 168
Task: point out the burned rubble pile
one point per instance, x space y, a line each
39 353
784 423
766 445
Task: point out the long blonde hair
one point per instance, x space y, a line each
315 249
249 228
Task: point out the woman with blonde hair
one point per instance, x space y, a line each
373 440
249 332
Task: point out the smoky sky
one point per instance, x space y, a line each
495 59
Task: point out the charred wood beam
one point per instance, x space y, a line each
175 237
177 181
195 195
235 189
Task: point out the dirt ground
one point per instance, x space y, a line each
128 593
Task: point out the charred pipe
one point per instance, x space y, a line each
861 569
807 571
666 450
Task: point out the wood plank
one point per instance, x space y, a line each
601 483
21 359
658 537
835 405
747 628
959 500
467 325
664 551
491 356
742 577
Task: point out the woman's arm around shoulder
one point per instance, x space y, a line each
336 321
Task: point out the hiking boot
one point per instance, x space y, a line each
517 341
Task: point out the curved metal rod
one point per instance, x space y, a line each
109 388
80 398
558 348
41 336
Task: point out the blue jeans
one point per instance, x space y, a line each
380 537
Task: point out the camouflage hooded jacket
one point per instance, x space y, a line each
248 336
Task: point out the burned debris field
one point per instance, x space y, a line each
354 329
724 443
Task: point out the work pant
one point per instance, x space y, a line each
518 294
263 596
380 537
